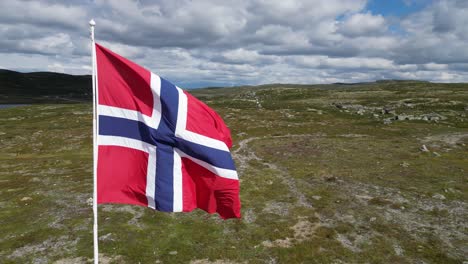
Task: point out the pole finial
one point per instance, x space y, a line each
91 28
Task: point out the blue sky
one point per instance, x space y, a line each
394 10
236 42
397 8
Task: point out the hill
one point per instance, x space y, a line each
50 87
368 173
42 87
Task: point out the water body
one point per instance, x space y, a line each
3 106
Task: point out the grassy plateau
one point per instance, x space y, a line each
364 173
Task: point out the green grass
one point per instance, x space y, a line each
318 184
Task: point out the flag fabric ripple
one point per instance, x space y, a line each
158 146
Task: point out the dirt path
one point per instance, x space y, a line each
243 154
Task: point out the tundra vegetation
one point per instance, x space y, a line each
363 173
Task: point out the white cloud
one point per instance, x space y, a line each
363 24
241 41
43 13
278 35
437 34
241 56
434 66
355 63
59 43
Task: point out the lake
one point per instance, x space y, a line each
3 106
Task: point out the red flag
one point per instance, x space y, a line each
158 146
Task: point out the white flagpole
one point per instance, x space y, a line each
95 212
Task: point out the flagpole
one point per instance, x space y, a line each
95 212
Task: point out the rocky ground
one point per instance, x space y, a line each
371 173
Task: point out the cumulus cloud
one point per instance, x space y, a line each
363 24
436 35
355 63
41 13
242 41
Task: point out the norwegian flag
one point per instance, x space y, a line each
158 146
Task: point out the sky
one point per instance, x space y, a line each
199 43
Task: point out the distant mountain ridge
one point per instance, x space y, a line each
51 87
42 87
